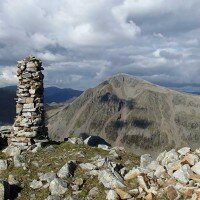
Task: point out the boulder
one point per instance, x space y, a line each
132 174
48 177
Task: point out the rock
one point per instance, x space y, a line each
132 174
67 170
183 151
47 176
113 153
149 196
93 193
35 163
112 195
196 168
87 166
122 194
36 184
159 171
58 186
19 161
170 157
109 180
78 182
75 140
12 180
142 183
3 164
153 165
190 159
12 151
172 194
182 175
145 160
104 147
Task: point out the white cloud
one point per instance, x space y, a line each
81 42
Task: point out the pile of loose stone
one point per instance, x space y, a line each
173 174
29 121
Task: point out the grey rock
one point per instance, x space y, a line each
183 151
36 184
67 170
196 168
48 177
3 164
19 161
109 181
87 166
112 195
12 151
145 160
53 197
93 193
58 186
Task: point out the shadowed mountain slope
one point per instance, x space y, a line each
129 111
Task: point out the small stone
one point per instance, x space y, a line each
196 168
172 194
132 174
87 166
109 180
12 180
112 195
142 183
145 160
183 151
36 184
122 194
67 170
159 171
47 176
3 164
19 161
182 175
93 193
12 151
53 197
190 159
58 186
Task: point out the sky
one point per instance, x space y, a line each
83 42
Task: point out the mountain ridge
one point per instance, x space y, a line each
129 111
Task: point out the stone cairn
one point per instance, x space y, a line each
29 126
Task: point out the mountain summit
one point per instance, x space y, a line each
128 111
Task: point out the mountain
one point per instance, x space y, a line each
51 94
129 111
7 106
54 94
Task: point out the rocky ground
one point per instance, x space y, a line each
74 170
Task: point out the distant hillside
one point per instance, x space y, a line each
51 94
54 94
128 111
7 106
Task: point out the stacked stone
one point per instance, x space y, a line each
29 122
